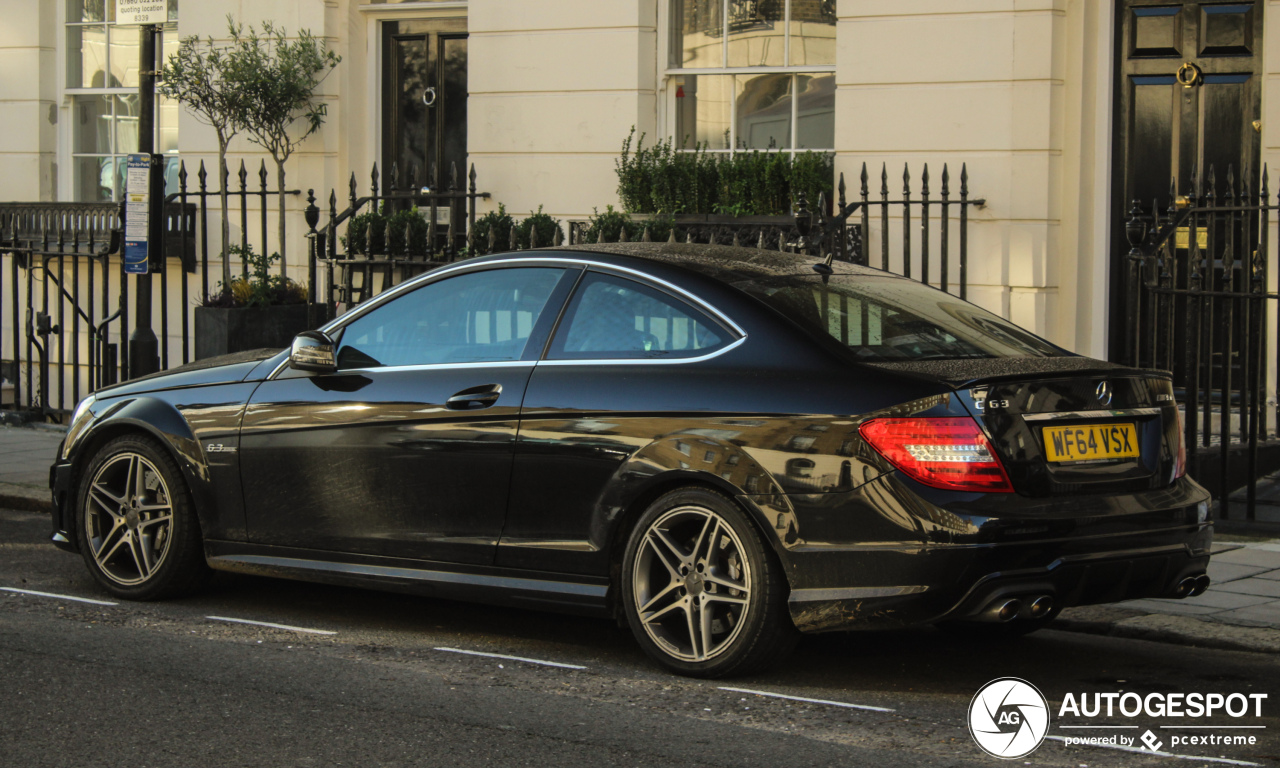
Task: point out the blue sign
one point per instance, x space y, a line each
137 218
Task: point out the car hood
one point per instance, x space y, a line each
223 369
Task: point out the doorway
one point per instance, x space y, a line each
1188 98
424 100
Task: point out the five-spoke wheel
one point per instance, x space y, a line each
702 594
137 532
128 518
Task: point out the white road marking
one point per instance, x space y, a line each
1212 726
1099 726
273 626
512 658
811 701
1142 751
57 596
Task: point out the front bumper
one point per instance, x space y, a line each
60 486
884 557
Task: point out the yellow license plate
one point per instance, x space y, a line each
1091 442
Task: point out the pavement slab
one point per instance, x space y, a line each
1257 585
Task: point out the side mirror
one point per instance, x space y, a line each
313 351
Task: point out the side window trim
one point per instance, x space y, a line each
574 287
559 293
734 334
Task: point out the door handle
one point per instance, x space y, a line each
430 102
474 398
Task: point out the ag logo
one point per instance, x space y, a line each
1008 718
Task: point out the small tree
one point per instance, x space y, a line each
279 78
201 77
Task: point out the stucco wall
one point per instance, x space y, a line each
555 87
1010 88
28 95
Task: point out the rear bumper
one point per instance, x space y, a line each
908 561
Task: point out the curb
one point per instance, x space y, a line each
1177 630
25 498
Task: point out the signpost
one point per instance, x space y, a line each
137 220
144 189
142 11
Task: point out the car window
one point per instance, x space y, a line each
471 318
612 318
883 319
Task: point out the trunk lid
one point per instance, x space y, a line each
1069 425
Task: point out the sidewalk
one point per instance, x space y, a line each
1240 611
26 454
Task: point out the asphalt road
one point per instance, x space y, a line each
161 684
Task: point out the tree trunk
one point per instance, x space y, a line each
280 193
226 216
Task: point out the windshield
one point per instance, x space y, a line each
886 319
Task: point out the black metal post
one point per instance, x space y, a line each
144 357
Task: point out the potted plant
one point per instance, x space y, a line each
255 311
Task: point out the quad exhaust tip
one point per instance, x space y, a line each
1001 611
1041 606
1192 586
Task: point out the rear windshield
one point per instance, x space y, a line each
883 319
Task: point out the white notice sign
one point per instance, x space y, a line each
142 11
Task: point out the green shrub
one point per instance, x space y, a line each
260 288
664 179
499 222
543 224
358 238
614 222
610 224
409 220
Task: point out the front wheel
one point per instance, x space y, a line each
138 531
701 591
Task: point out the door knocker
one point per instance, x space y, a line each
1189 75
429 96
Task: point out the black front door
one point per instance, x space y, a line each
1188 98
424 84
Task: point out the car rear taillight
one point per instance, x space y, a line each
950 453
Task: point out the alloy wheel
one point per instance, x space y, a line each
691 583
128 519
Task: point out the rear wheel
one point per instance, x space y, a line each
702 593
138 531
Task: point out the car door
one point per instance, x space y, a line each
406 450
628 359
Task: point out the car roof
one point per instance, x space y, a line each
722 262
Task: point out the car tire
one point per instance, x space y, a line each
136 525
703 593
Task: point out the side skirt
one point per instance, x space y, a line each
497 586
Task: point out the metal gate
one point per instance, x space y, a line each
1199 302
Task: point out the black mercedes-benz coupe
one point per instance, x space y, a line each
720 447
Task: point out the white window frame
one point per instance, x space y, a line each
68 156
667 79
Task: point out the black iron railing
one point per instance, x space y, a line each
1198 295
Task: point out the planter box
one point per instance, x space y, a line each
221 331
